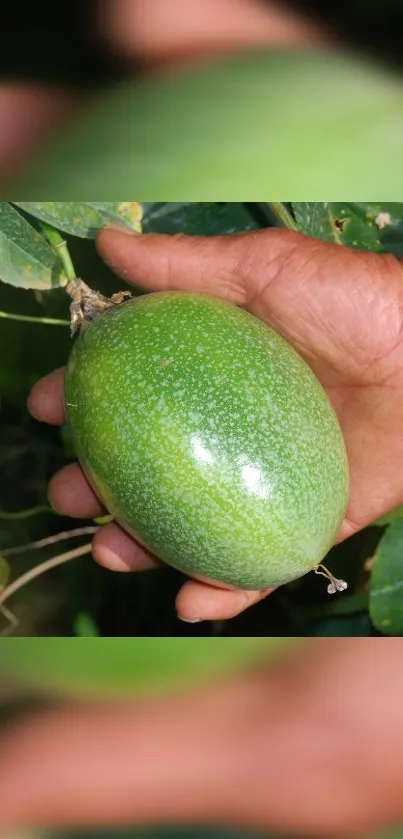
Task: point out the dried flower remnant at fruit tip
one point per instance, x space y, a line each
334 584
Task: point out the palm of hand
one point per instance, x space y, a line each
341 310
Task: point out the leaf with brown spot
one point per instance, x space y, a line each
353 224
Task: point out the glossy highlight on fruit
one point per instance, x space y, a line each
209 438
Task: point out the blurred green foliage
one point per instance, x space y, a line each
128 666
83 599
237 110
152 833
178 833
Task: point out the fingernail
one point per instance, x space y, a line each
188 620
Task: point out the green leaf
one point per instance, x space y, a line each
388 833
343 606
275 122
316 218
389 518
354 626
4 573
26 259
202 218
85 626
84 218
363 226
386 594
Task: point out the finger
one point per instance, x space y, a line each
114 549
28 114
46 400
312 714
199 601
158 262
145 778
70 494
160 31
236 267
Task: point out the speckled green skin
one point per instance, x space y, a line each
206 435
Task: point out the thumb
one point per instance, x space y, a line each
233 267
159 30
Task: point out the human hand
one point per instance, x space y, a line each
156 32
310 745
340 308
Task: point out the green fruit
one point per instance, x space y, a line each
208 438
267 123
129 666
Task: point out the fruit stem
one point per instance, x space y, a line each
25 514
282 215
31 319
60 245
42 569
334 584
51 540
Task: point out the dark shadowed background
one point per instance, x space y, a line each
57 42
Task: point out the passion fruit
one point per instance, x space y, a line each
208 438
